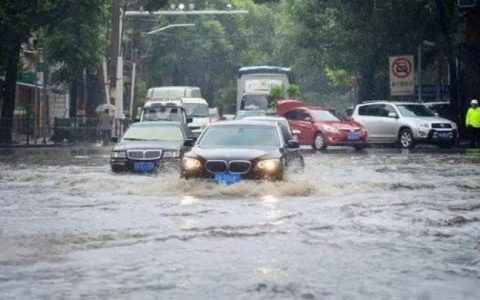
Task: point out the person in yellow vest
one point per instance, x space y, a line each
472 122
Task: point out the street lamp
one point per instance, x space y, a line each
170 26
423 45
134 64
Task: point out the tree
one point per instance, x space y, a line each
72 36
17 20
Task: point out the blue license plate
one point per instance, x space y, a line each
226 177
353 136
144 166
445 135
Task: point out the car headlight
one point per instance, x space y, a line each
190 163
423 124
171 154
119 154
269 165
330 129
454 125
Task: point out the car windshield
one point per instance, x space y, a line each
249 113
240 136
163 114
415 110
196 110
324 115
154 132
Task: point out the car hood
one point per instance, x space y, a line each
430 119
343 125
235 153
165 145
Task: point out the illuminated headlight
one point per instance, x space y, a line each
171 154
190 163
119 154
330 129
422 124
269 165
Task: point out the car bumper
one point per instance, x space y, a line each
251 175
434 136
343 140
128 165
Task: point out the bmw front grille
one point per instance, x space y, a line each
216 166
234 166
144 154
239 166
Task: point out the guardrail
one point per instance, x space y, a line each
29 131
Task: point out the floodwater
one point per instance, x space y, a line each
381 224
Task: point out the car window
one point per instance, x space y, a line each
240 135
291 115
287 136
415 110
198 110
324 115
163 114
154 132
375 110
387 108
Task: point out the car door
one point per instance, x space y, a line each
372 116
294 119
390 127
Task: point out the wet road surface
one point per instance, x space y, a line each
381 224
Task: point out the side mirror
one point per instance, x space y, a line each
189 142
115 139
189 120
436 114
392 115
136 120
292 144
296 132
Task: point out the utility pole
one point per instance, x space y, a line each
118 17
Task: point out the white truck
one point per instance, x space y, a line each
254 84
173 92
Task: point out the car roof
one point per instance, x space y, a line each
265 118
243 122
157 123
164 103
389 102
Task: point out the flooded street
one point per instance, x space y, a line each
381 224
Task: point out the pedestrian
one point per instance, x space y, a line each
105 126
472 122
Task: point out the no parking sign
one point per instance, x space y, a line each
401 75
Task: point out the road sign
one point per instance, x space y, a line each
401 75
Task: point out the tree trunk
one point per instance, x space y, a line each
6 121
366 88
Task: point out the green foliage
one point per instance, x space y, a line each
293 91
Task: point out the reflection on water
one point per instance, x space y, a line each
376 224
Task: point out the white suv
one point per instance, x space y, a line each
407 123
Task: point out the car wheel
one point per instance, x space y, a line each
319 142
406 139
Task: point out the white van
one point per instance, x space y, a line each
197 109
173 92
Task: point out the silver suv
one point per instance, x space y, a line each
407 123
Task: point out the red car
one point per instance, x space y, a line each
321 127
